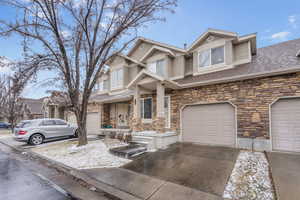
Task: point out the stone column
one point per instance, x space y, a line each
136 121
159 123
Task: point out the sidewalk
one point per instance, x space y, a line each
146 187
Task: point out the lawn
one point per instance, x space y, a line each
5 133
93 155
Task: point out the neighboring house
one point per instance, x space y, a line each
55 106
221 90
33 108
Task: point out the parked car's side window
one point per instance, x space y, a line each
48 123
60 122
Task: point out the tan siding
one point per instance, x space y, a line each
126 76
157 55
228 53
132 73
178 66
117 62
241 51
188 66
195 61
141 51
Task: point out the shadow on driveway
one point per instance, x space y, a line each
205 168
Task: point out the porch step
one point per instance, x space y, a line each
129 151
143 140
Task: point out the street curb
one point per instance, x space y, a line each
85 180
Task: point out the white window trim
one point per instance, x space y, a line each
155 62
111 78
210 61
169 110
145 120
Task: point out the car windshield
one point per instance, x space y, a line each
24 124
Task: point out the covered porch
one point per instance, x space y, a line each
115 112
151 103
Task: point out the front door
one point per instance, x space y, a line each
122 114
167 111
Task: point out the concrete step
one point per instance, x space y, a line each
141 138
129 151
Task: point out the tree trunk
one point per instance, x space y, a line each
81 122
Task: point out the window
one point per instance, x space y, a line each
146 108
48 123
60 122
117 79
211 57
204 58
157 67
102 85
217 55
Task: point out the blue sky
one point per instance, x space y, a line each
273 20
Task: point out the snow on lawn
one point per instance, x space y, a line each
5 133
250 178
93 155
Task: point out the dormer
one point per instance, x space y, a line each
122 70
217 50
161 59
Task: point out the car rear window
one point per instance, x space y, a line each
24 124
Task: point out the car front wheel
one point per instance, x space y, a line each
36 139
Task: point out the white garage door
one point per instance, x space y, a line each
93 123
285 125
209 124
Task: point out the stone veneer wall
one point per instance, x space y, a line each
105 115
157 124
251 97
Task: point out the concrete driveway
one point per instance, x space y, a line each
205 168
286 174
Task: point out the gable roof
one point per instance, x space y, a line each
126 58
271 60
144 73
209 31
142 39
132 60
157 48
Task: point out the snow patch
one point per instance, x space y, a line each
250 178
93 155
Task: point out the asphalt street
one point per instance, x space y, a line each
20 183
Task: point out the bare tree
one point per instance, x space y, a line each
13 84
79 36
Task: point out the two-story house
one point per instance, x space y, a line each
221 90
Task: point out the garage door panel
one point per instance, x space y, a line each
285 116
93 123
209 124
